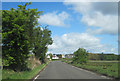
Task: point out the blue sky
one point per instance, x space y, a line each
88 25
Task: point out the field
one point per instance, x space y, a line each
108 68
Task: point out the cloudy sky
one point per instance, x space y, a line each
89 25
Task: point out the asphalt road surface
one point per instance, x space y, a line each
61 70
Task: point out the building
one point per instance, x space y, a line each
69 56
63 56
48 56
55 57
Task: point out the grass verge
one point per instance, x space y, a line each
105 68
0 74
25 75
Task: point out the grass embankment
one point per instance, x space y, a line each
0 75
0 68
24 75
106 68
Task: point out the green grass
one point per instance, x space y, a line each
0 69
55 59
106 68
10 74
0 75
109 69
0 61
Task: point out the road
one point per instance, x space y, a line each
61 70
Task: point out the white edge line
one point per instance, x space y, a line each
36 77
91 72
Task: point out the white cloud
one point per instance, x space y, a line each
91 0
58 0
68 43
108 24
102 15
54 18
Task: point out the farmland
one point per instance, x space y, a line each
108 68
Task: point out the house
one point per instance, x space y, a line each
55 57
48 56
63 56
69 56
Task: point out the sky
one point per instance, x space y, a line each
89 25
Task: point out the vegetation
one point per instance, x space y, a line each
24 75
59 55
67 60
21 35
106 67
15 32
42 40
106 64
107 57
80 56
50 54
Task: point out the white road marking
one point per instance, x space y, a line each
36 77
90 72
106 77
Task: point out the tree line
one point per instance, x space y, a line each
103 56
82 56
21 33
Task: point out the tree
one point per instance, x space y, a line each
80 56
92 56
17 33
42 40
102 56
37 40
50 54
0 28
59 55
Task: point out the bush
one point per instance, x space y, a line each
80 56
17 28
